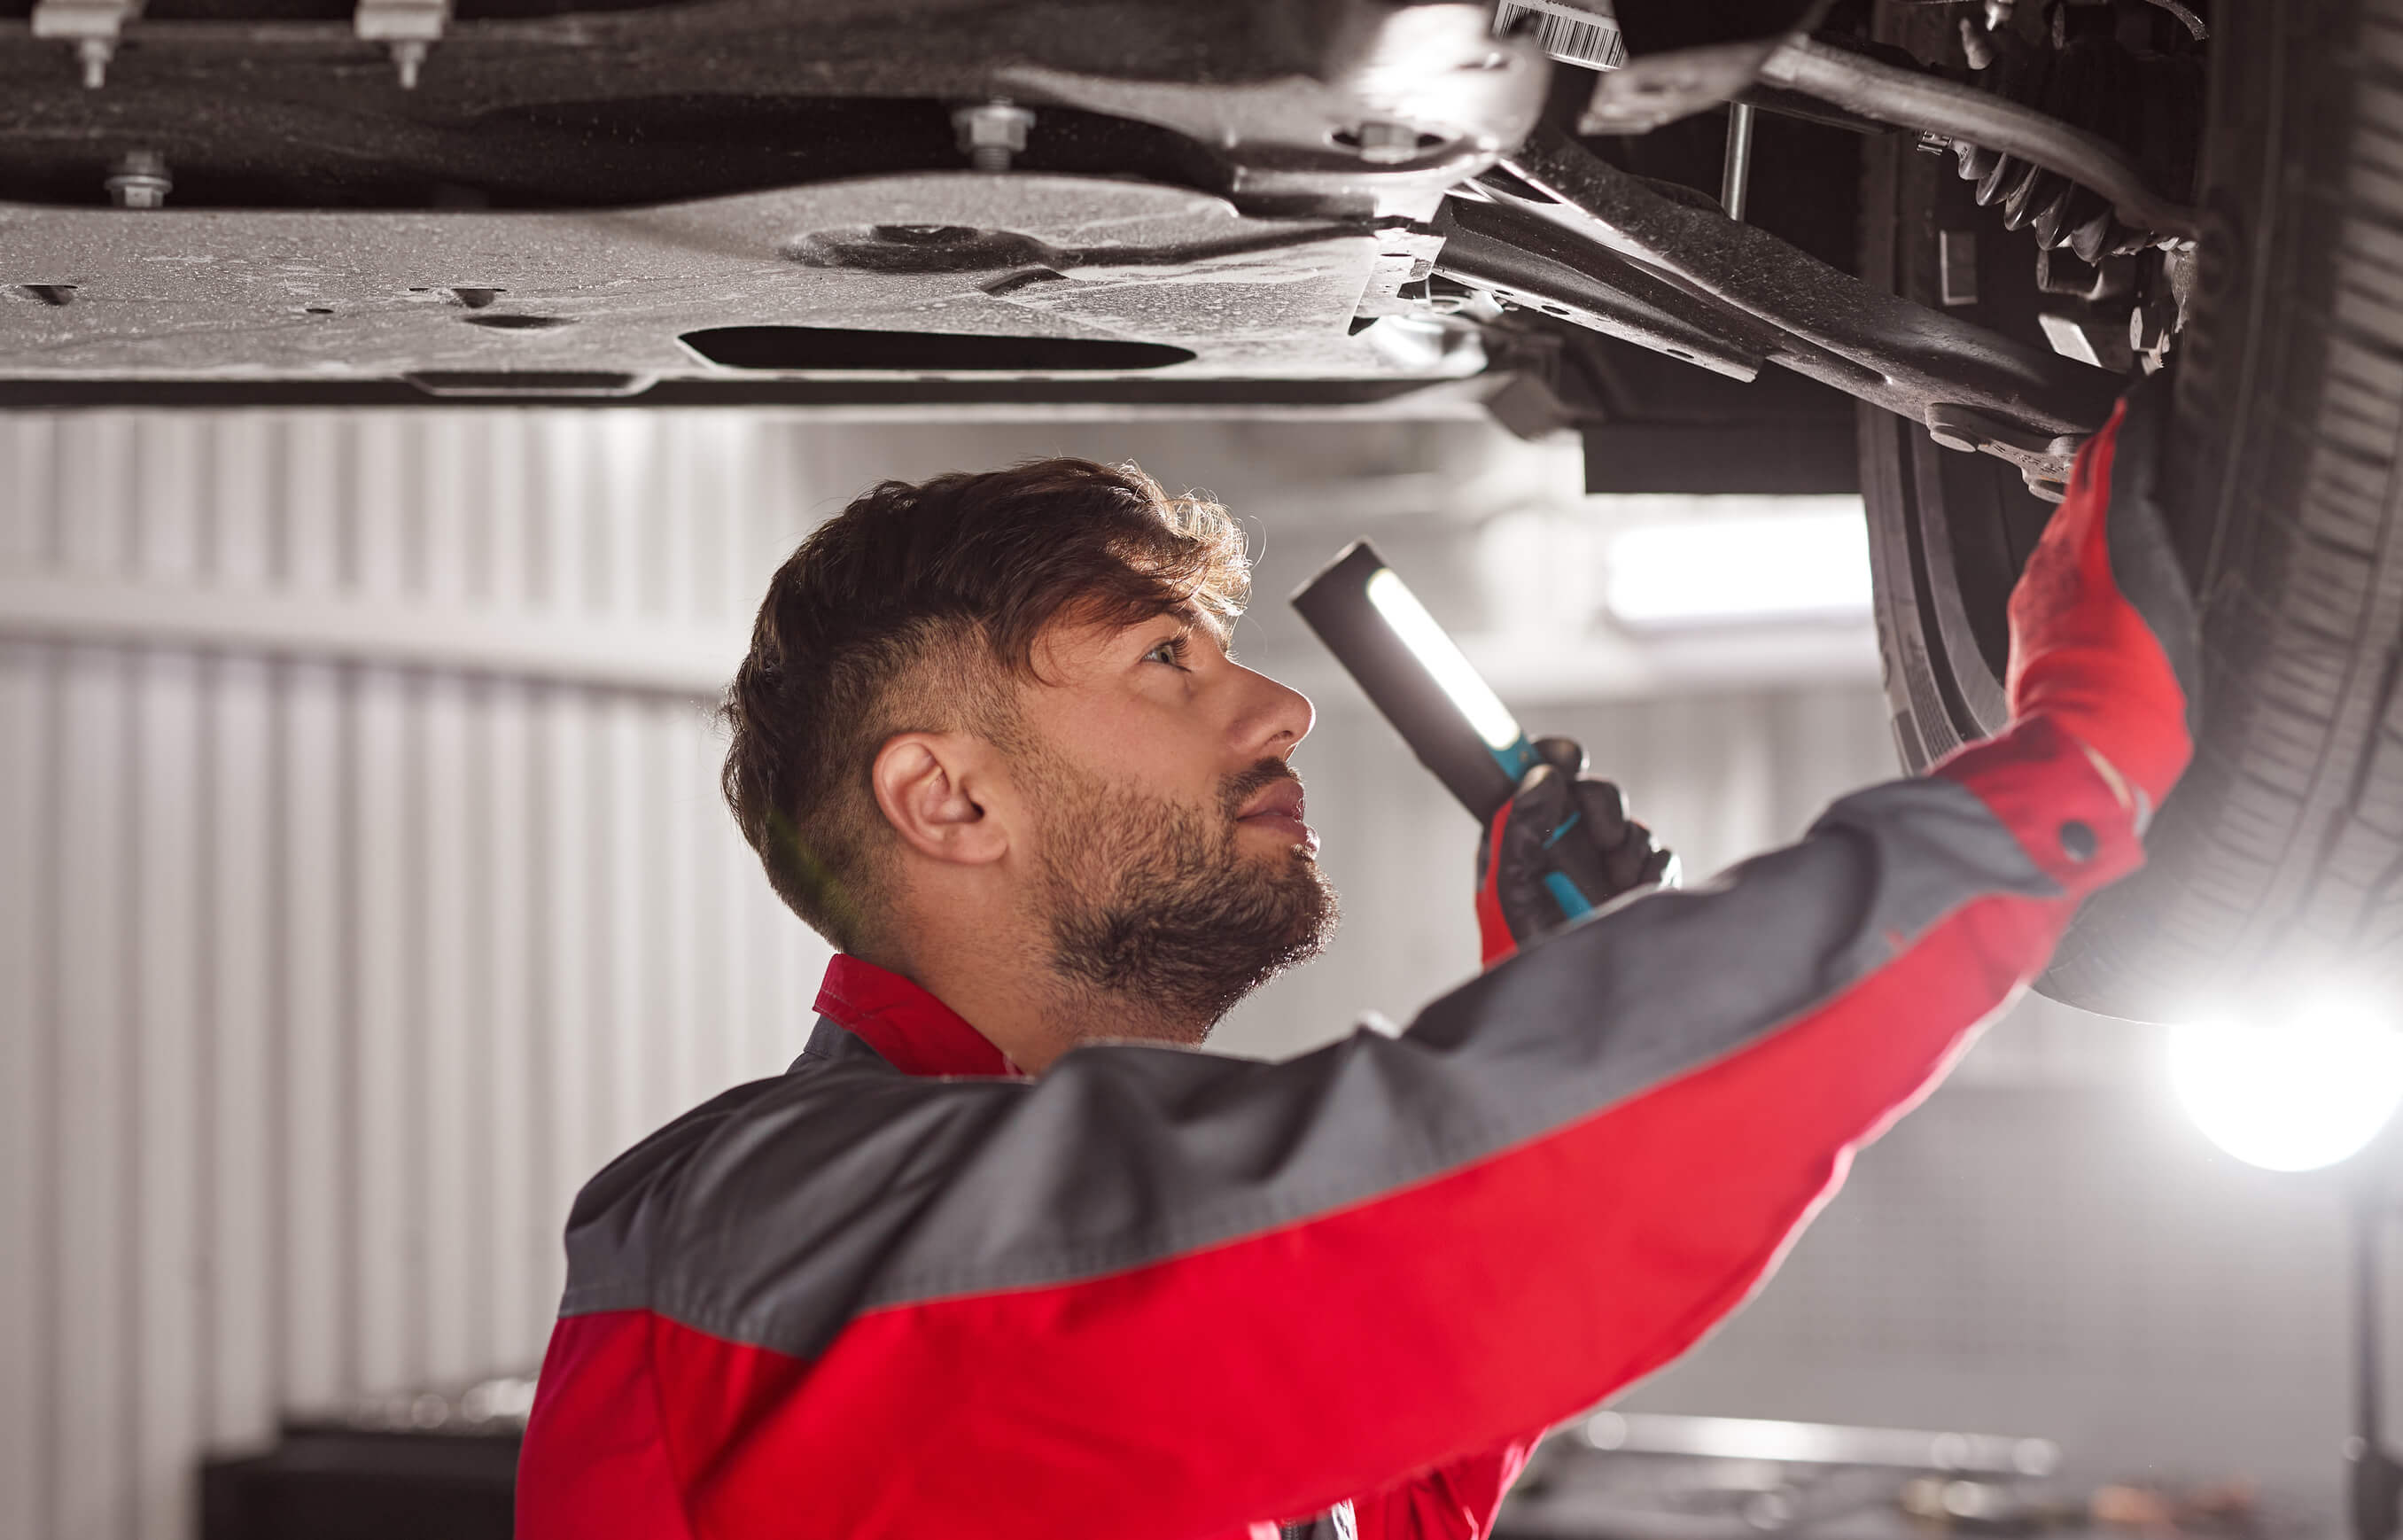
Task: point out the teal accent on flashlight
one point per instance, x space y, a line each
1564 892
1516 761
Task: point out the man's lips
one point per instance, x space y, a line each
1277 807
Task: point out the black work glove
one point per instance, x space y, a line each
1560 820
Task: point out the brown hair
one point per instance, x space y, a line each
909 611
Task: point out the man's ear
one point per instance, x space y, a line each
926 786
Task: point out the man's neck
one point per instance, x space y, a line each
1014 1000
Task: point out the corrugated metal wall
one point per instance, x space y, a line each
325 979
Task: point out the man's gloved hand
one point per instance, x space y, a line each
1561 819
2104 636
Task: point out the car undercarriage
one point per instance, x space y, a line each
1343 203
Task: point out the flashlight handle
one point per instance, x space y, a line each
1578 867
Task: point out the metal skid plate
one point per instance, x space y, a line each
466 300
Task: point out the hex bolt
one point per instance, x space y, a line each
408 60
991 133
94 54
1952 427
1973 44
1384 143
140 181
2150 326
407 29
93 27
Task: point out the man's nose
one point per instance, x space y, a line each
1275 716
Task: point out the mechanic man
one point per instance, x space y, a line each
1003 1256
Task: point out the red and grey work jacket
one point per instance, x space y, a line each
1163 1295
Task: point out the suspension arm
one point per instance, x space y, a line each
1971 387
1531 261
1933 105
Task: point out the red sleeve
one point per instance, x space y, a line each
1453 1501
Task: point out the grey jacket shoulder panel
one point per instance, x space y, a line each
778 1211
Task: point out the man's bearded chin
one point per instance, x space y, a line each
1155 903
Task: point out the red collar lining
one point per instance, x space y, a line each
914 1031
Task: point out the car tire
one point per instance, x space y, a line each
2278 863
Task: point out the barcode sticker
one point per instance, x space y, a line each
1573 34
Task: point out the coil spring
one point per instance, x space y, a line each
2150 104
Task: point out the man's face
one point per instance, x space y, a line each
1176 865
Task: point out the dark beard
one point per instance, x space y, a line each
1155 902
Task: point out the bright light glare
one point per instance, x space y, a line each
1812 564
2295 1095
1437 653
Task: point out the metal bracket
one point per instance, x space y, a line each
2043 462
1406 254
1735 172
95 27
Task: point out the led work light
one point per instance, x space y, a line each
2297 1093
1420 680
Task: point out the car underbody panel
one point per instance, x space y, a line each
928 274
1094 199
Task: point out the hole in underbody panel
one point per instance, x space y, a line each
928 351
529 383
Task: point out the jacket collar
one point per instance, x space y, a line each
909 1028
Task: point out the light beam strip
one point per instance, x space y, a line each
1443 660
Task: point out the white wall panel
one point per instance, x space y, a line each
28 678
448 1215
503 1057
384 1132
566 1110
327 976
245 1077
311 1040
90 1158
165 959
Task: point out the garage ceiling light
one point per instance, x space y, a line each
1747 560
